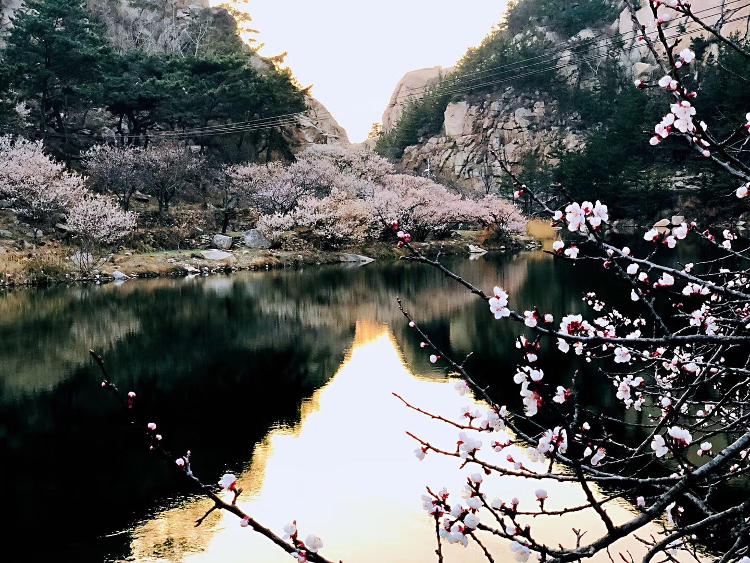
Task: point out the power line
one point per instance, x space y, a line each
292 118
460 88
486 73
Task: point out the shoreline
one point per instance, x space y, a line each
128 265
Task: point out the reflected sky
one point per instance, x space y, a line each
346 472
284 377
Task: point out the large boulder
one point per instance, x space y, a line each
222 242
255 239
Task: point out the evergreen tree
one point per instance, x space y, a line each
55 54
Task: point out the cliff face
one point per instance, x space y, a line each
513 124
521 124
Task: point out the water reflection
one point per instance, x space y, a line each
345 472
220 361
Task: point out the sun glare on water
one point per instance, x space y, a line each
347 473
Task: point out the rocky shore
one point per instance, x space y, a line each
55 263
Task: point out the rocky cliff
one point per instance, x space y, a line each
523 124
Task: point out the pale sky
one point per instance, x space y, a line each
354 52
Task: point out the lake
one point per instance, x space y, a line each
284 378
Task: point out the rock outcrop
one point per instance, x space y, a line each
528 125
512 124
413 84
318 126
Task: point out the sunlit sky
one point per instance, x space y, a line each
354 52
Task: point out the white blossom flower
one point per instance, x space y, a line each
245 522
622 355
228 481
634 295
695 289
530 318
558 245
521 552
499 303
420 454
572 252
681 231
666 280
467 445
560 395
575 217
659 446
640 502
541 494
151 426
687 56
680 435
742 191
632 269
471 520
598 456
313 543
563 345
290 530
651 235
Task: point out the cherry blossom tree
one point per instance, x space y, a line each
38 187
169 169
115 170
97 222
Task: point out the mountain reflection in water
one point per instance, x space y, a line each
283 377
346 472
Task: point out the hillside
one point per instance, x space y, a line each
550 91
149 67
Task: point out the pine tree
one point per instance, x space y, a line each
55 54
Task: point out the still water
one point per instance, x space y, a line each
284 378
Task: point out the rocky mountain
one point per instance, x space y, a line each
528 123
192 27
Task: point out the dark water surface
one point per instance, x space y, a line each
237 369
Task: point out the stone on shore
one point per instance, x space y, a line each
255 239
222 242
